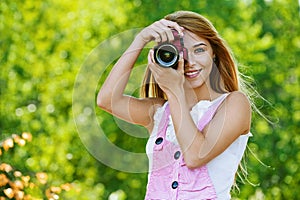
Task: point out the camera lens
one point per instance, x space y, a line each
166 55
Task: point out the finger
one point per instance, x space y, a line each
166 35
154 67
160 33
170 35
163 36
157 37
151 62
151 65
149 58
180 67
164 28
174 25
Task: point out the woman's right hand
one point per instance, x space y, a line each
160 31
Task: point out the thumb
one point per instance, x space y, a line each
150 54
180 67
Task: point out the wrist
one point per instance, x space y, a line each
136 46
176 94
140 40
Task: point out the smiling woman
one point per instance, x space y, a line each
197 118
199 64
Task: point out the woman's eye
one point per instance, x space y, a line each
199 50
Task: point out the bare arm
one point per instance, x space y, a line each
199 147
231 120
111 95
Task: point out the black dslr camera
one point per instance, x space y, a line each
166 54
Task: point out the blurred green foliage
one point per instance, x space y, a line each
27 185
44 43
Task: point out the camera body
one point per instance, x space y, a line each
166 54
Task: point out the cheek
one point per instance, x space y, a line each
205 61
206 64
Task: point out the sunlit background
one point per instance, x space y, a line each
43 46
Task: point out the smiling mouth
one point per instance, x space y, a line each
193 73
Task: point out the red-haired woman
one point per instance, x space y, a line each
196 114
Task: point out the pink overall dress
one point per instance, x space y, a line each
170 178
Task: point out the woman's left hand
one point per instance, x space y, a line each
170 80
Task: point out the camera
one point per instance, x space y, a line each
166 54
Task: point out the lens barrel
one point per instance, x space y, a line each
166 55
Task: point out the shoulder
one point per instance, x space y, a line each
235 99
235 103
238 99
238 109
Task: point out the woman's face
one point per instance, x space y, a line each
200 59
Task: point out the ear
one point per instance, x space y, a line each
214 58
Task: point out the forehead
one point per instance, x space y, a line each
190 39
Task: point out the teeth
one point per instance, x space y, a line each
191 73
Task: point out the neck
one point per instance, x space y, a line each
205 92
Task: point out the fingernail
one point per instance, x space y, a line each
181 32
181 54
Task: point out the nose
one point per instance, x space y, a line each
190 60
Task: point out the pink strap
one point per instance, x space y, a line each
208 115
164 121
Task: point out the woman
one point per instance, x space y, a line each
198 118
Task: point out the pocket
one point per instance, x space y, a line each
162 158
197 180
158 188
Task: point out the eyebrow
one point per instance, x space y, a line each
199 44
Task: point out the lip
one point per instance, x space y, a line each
192 73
